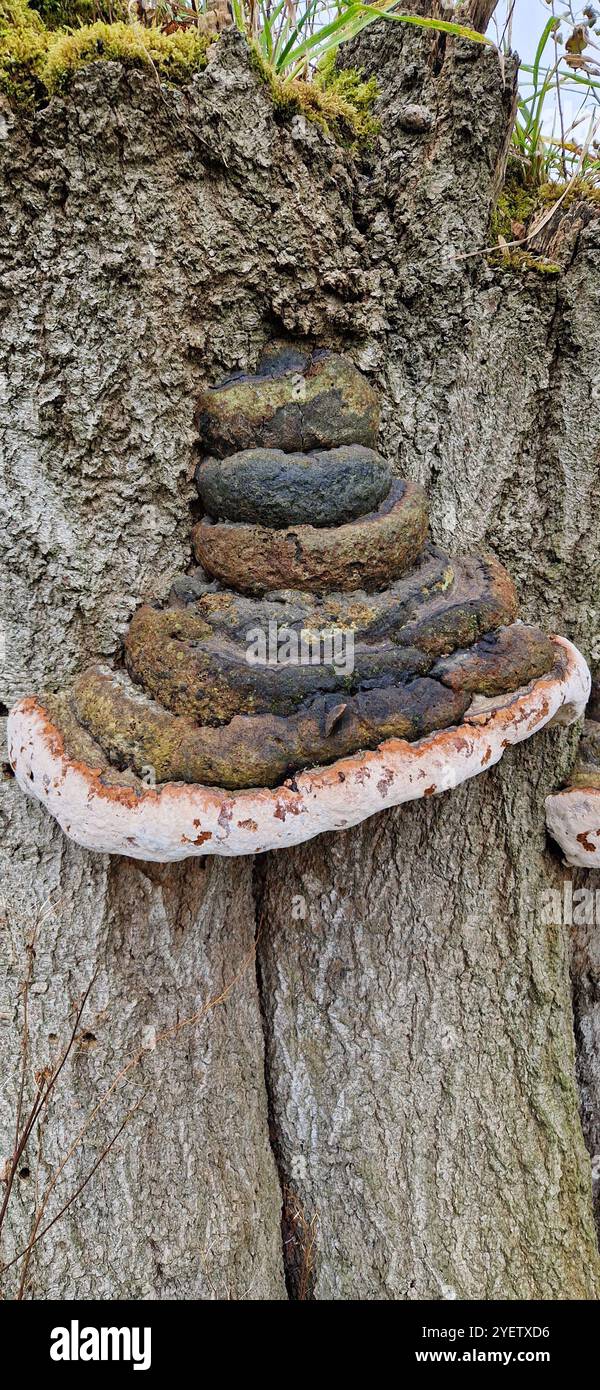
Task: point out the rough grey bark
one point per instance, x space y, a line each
586 997
414 1054
187 1203
418 1062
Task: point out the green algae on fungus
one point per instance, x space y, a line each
36 62
254 750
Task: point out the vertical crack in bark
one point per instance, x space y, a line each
585 993
258 885
298 1231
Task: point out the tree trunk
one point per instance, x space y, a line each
586 995
396 1066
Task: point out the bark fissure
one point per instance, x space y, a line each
585 978
298 1232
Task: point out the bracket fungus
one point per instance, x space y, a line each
573 814
323 662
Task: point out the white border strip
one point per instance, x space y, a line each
178 820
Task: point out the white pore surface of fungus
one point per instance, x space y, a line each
573 819
176 820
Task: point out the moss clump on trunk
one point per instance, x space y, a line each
520 209
337 100
36 61
43 42
66 14
517 202
520 260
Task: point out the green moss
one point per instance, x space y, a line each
580 190
17 13
517 206
43 42
71 14
23 43
517 202
517 260
173 56
349 98
36 61
339 102
520 200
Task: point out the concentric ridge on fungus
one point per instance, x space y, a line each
367 552
307 532
298 400
271 488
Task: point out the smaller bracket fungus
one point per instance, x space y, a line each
573 814
298 400
370 551
271 488
324 663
